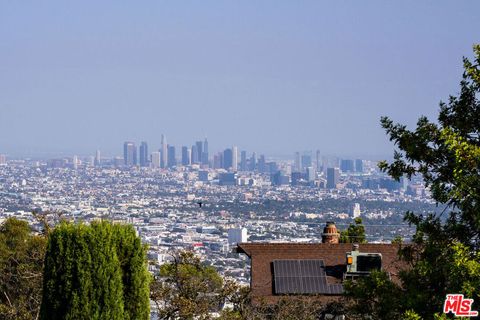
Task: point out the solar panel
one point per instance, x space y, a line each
302 277
335 288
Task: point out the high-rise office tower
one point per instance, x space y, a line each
194 151
186 156
306 161
318 161
359 165
333 177
295 178
172 160
199 145
129 153
271 167
279 178
75 162
234 158
164 151
227 159
296 162
310 174
325 164
156 159
143 154
3 159
189 155
98 159
261 164
218 160
253 162
346 165
243 160
204 158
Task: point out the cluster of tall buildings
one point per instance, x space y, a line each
166 157
306 167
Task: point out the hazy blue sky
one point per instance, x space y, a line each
268 76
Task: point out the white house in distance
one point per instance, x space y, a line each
237 235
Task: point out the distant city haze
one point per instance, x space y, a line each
273 77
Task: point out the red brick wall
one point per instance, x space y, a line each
262 255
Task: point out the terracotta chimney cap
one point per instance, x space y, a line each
330 233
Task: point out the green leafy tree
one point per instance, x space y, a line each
355 233
135 277
188 289
376 296
443 256
95 272
21 264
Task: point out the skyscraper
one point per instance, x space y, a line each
318 163
199 145
253 162
204 158
306 161
234 158
227 159
346 165
3 159
98 159
156 155
164 151
75 162
243 160
296 162
143 154
194 152
261 164
333 177
218 160
172 160
186 156
359 165
310 174
129 153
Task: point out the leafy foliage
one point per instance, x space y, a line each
95 272
443 256
380 297
355 233
187 289
21 264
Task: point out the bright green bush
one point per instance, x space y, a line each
95 272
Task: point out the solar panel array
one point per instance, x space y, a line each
302 277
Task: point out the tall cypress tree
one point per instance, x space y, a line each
95 272
131 255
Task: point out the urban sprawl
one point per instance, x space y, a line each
208 204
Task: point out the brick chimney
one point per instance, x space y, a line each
330 233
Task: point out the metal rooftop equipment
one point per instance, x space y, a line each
361 263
